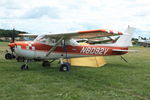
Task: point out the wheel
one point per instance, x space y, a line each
65 67
8 56
24 67
46 63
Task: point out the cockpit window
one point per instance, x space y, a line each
39 38
52 41
46 40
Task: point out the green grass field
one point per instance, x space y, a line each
116 80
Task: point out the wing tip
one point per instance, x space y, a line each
100 30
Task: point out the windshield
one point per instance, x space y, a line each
40 38
45 40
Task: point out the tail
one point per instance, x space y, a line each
125 40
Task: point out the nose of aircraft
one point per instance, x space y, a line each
11 45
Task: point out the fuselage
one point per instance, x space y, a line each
36 50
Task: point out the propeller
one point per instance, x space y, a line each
12 42
12 46
13 36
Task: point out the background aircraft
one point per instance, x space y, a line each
142 42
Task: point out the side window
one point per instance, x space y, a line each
43 40
53 41
64 42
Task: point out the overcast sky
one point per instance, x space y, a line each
41 16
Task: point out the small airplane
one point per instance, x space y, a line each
63 46
143 42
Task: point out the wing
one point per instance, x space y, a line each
80 34
86 34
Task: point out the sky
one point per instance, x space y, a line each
44 16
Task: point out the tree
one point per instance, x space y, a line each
8 33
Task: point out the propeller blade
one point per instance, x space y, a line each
13 36
12 43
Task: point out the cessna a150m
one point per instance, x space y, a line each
63 46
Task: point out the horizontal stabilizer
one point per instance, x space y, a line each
125 50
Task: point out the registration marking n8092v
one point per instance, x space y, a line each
94 50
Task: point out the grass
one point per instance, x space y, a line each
116 80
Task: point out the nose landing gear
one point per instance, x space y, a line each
9 56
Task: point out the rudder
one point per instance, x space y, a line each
125 40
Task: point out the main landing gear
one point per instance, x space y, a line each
65 66
25 65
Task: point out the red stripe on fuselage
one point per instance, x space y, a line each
81 50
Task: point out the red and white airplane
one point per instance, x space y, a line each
63 45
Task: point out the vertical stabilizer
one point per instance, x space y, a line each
125 40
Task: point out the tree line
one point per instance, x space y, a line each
9 33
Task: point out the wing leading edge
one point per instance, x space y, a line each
86 34
80 34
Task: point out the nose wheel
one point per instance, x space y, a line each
9 56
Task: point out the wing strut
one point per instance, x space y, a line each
54 47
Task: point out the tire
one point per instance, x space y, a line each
8 56
24 67
65 67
